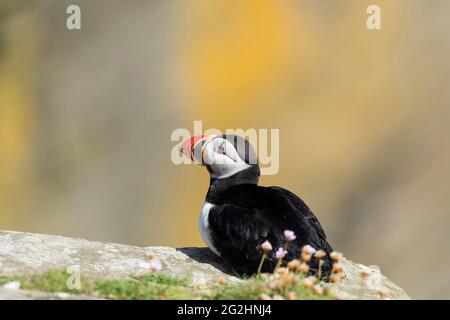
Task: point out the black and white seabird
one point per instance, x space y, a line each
238 215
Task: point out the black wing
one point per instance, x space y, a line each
238 232
247 215
311 219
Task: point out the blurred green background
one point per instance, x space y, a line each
86 118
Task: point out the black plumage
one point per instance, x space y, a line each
245 215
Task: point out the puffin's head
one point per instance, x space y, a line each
223 155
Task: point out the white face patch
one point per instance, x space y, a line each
203 225
223 158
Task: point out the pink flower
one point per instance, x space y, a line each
308 250
320 254
289 235
155 264
336 256
281 253
266 246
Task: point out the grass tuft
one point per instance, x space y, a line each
4 280
148 287
283 285
273 287
132 289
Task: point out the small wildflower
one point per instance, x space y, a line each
222 280
277 297
292 296
337 267
364 274
317 290
282 271
335 277
308 250
266 246
336 256
289 235
383 292
281 253
286 279
264 296
303 268
309 282
150 256
320 254
155 264
293 265
306 257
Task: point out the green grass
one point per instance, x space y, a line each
4 280
51 281
164 279
159 286
250 290
149 287
254 287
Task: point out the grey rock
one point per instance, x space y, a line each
27 253
354 287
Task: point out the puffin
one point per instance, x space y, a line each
238 215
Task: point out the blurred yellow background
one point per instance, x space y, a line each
86 118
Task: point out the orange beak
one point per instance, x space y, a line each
187 148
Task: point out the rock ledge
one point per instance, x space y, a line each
29 253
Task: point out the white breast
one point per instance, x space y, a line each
204 227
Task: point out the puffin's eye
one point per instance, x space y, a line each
221 148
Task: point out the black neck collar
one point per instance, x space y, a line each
217 186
